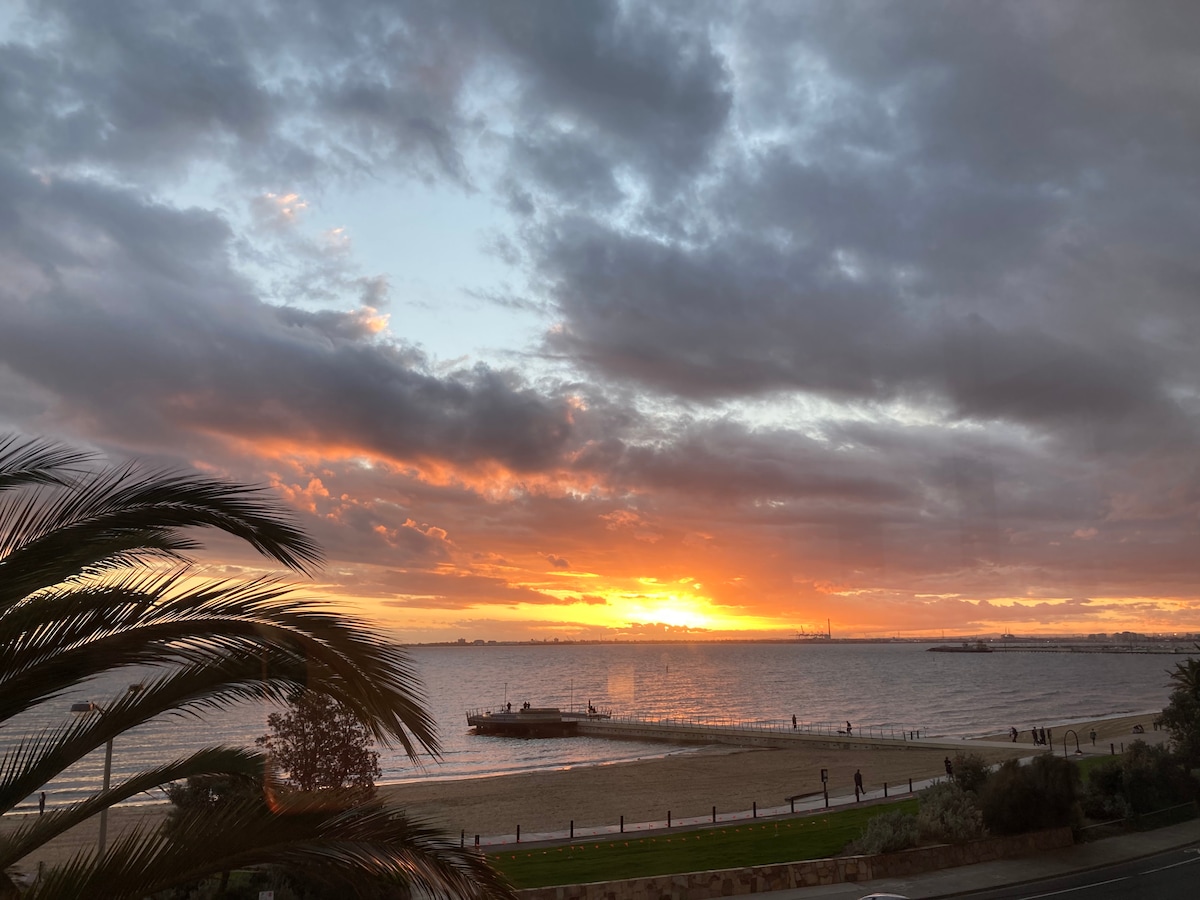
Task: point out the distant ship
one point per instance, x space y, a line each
966 647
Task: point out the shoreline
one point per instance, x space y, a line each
642 790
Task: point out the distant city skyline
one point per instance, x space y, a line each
597 319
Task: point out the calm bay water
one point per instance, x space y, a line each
869 684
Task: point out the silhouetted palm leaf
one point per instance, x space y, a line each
77 601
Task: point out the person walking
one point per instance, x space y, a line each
1013 733
949 768
849 727
858 785
793 720
41 802
1092 735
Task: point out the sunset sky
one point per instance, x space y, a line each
615 320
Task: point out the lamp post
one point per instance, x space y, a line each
91 707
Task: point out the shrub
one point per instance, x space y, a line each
949 815
971 771
1043 794
1104 796
1141 780
887 833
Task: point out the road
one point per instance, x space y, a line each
1165 876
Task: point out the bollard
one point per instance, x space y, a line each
714 815
622 824
885 790
476 842
792 800
826 792
910 785
1112 749
518 834
668 818
572 829
754 814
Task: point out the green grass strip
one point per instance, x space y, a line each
753 843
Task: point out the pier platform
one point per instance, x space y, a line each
555 722
764 734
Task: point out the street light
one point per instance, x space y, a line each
91 707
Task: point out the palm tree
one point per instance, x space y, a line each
1187 676
94 578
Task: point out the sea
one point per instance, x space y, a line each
891 685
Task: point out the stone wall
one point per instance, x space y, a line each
756 879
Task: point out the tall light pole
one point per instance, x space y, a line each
90 707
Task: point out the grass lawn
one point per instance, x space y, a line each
754 843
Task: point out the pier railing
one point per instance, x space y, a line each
884 732
896 732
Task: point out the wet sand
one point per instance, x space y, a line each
687 784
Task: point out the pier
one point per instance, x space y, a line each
706 730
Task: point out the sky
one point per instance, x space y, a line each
601 320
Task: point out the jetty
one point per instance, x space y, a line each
555 722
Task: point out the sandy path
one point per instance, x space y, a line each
686 785
1118 731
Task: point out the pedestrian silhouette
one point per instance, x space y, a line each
949 768
793 720
858 788
849 728
1093 736
41 802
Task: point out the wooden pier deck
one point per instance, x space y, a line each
763 734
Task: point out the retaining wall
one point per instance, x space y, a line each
756 879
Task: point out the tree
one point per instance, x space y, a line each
94 578
1043 794
321 745
1181 717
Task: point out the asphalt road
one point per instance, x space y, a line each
1172 875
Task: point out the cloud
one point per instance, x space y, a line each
884 310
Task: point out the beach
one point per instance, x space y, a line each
686 784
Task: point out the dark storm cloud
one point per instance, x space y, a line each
979 208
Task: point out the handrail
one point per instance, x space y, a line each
894 732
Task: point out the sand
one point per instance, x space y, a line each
687 784
1117 730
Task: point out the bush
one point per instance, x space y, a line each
1141 780
1104 796
948 815
1043 794
971 771
887 833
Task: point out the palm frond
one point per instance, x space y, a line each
35 832
27 461
82 594
55 536
163 620
367 844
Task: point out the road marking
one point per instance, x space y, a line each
1182 862
1082 887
